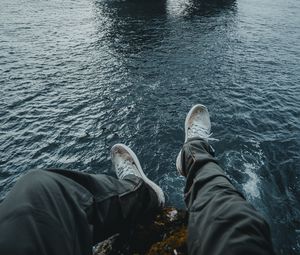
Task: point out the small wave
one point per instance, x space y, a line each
243 167
251 187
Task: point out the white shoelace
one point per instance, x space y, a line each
196 130
125 168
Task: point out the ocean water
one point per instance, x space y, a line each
77 77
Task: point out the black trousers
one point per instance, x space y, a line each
61 212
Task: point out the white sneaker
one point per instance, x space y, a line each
197 124
125 163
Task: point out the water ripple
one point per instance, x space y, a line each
77 77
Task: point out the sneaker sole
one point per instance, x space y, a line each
154 186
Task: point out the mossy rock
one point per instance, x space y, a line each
165 235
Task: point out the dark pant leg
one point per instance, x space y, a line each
221 221
117 204
65 212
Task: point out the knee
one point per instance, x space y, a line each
34 182
36 176
30 192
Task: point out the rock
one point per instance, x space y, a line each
166 234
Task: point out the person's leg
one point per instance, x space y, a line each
221 221
117 204
45 213
66 212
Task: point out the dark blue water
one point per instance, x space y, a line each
78 76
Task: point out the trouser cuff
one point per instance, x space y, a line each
196 152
